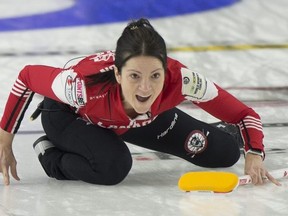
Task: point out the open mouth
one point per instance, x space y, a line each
142 99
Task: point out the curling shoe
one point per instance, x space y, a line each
232 129
41 145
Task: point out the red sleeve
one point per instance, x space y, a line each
64 85
218 102
30 80
229 109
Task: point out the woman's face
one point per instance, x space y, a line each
141 80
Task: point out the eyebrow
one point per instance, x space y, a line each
133 70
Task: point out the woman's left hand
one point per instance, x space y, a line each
254 167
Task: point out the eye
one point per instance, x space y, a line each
156 75
134 76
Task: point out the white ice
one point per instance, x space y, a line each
151 187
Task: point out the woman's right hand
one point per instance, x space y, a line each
7 159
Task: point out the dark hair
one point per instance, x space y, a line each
139 38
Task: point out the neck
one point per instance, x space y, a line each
131 113
129 110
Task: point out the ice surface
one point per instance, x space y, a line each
151 187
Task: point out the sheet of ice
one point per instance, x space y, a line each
151 187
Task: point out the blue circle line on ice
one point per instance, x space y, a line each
89 12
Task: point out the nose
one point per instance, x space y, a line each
145 85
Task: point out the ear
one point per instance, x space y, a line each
117 74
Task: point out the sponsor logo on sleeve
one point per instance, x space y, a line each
194 85
75 92
69 90
80 92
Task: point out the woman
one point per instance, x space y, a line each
92 108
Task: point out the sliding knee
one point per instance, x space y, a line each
105 172
116 171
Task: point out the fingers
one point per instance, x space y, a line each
5 173
5 170
14 171
262 176
256 178
272 179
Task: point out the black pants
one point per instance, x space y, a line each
96 155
